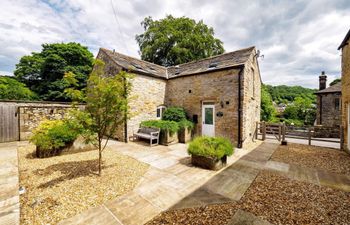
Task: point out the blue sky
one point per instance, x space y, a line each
298 39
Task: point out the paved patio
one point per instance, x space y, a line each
9 196
169 179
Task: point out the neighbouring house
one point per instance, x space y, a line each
345 80
221 94
328 103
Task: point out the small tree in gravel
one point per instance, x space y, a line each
106 100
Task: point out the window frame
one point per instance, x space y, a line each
161 109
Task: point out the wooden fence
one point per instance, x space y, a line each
281 131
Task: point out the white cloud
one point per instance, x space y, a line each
298 39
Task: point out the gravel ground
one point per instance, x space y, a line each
314 157
274 198
63 186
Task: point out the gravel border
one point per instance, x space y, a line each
63 186
274 198
322 158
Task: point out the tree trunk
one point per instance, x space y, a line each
99 157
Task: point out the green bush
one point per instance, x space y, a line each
186 124
54 134
214 147
163 125
174 114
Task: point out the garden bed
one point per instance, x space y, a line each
63 186
322 158
274 198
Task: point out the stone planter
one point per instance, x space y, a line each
44 153
185 135
208 162
165 138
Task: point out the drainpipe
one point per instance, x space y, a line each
239 145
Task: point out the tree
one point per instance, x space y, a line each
171 41
43 72
11 89
301 109
338 80
107 104
268 111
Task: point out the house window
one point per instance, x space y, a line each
336 103
160 111
253 75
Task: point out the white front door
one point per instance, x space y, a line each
208 120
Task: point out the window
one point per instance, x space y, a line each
160 111
253 77
337 104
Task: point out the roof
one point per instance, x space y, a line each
331 89
344 42
218 62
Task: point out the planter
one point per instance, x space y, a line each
165 138
208 162
185 135
44 153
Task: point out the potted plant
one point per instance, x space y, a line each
210 152
185 131
168 130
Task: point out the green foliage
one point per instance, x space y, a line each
163 125
286 94
301 109
174 114
43 72
215 147
268 111
11 89
338 80
171 41
54 134
186 124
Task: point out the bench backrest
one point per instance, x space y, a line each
148 130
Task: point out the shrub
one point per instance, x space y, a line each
186 124
174 114
54 134
214 147
163 125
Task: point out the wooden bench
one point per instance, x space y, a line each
149 133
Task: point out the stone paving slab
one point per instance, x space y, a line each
245 218
9 184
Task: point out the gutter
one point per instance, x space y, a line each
239 144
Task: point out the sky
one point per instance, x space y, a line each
298 39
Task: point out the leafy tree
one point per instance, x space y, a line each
338 80
301 109
107 104
172 41
268 111
11 89
286 94
43 72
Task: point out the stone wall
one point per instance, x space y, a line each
147 94
326 132
327 113
346 94
32 113
251 99
220 88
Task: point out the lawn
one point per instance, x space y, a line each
63 186
278 199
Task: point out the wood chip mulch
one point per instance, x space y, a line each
63 186
274 198
327 159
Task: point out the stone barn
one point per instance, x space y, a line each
221 94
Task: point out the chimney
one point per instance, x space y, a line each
323 80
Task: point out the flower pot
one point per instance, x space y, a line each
209 162
165 138
185 135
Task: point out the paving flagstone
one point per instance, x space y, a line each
245 218
9 196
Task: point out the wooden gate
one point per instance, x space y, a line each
9 123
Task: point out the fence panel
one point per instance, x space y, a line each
8 123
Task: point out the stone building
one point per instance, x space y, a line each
221 94
328 103
345 77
